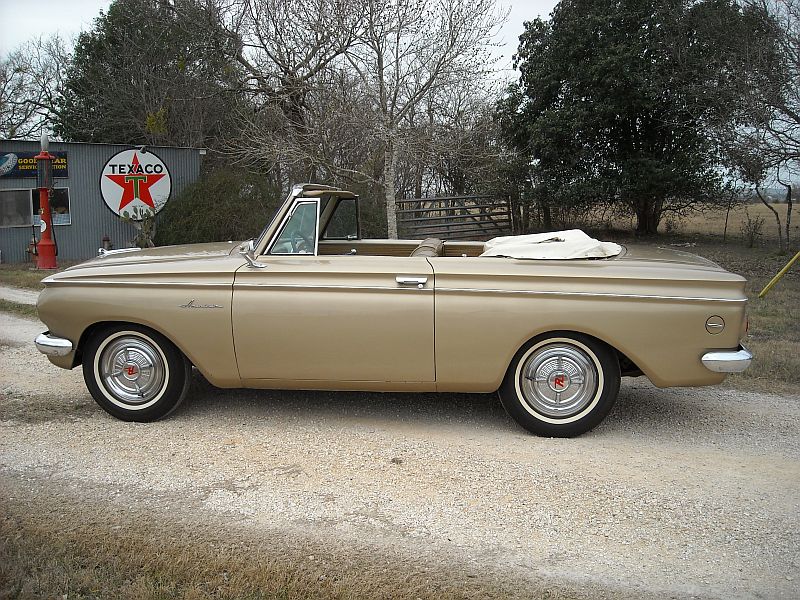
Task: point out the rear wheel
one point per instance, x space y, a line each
561 384
134 373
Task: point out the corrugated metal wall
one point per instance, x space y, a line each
91 218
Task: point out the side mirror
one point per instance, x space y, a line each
246 250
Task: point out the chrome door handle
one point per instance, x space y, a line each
417 281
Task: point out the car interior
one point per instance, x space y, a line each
331 227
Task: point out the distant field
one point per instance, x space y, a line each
713 222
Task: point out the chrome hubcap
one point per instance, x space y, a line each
132 370
559 380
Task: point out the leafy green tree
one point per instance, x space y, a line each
150 72
616 102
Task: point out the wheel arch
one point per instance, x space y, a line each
91 329
628 366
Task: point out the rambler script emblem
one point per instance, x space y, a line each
191 304
135 183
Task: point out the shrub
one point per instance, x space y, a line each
225 204
752 229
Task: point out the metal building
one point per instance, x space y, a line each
93 185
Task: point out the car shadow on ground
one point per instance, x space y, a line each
482 410
641 408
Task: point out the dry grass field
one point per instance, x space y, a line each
25 275
710 223
713 223
128 554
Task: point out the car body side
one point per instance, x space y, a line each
343 322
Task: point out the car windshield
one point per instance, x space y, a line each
299 233
260 237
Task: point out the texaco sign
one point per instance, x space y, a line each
134 183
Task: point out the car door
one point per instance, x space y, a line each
301 317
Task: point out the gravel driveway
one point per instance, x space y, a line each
679 493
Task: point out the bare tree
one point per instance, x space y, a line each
286 49
407 49
452 142
769 149
31 78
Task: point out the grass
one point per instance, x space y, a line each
713 222
26 275
709 223
24 310
22 276
74 549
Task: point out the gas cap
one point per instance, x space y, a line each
715 324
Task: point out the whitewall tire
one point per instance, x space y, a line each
561 384
134 373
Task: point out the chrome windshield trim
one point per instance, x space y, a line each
296 202
296 191
589 294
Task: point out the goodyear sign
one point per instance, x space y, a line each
23 164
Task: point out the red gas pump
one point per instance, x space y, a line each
46 249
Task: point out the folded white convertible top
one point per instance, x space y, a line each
555 245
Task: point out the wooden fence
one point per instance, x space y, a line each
454 217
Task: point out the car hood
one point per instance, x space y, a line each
189 264
135 256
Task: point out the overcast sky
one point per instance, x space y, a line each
22 20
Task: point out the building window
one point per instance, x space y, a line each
20 208
15 208
59 206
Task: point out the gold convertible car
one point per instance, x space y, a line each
311 305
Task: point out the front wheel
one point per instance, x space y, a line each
134 373
561 384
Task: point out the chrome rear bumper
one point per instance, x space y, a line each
52 345
728 361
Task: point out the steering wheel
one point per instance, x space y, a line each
301 244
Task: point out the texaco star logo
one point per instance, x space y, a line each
134 183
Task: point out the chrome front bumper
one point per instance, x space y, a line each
52 345
728 361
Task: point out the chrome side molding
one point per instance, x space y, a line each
46 343
728 361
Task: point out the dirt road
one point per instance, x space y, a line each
680 493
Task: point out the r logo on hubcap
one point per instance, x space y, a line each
558 381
